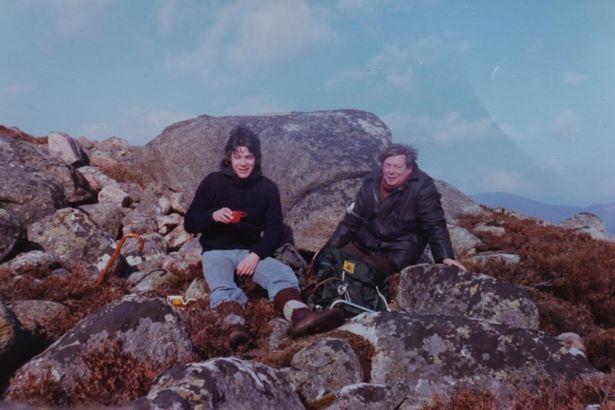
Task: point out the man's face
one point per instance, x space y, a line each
242 162
394 170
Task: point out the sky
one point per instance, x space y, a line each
512 96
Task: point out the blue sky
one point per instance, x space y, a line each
515 96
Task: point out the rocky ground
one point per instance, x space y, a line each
66 203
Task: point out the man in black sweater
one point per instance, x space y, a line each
238 213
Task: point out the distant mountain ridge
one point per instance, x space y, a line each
547 212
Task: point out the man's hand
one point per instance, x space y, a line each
453 262
247 266
223 215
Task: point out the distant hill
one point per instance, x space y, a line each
546 212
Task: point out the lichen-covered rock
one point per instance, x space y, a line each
483 227
432 354
589 223
442 290
74 240
34 264
144 331
40 317
96 177
494 256
108 217
11 233
223 383
464 242
314 217
12 342
323 368
62 146
367 396
112 194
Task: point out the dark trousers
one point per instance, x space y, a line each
377 260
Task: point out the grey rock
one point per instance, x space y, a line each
325 367
482 227
108 217
12 233
438 289
62 146
456 203
464 242
495 256
114 195
74 240
223 383
9 332
178 237
154 248
40 317
588 223
140 222
375 397
315 216
144 330
197 289
152 280
432 354
96 178
167 222
34 264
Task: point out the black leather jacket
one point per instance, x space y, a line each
402 225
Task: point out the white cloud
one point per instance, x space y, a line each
394 67
78 16
573 78
566 124
138 125
247 34
450 129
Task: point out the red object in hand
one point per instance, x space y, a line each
236 216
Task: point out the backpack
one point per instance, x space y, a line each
347 282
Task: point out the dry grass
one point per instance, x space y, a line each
124 173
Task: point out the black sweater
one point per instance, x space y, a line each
261 231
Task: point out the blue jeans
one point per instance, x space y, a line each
219 270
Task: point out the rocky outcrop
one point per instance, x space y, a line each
40 318
455 202
144 332
224 383
443 290
588 223
323 368
62 146
433 353
34 184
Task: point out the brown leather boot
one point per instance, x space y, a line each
232 317
302 320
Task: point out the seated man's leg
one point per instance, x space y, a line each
283 289
226 297
219 271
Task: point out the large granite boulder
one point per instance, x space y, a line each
143 333
433 353
442 290
34 184
62 146
456 203
316 159
223 383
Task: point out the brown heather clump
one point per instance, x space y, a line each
570 277
124 173
75 290
114 378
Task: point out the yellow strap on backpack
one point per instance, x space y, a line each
348 266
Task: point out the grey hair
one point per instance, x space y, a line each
409 151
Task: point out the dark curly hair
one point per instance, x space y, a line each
242 136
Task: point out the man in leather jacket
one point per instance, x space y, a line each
397 212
